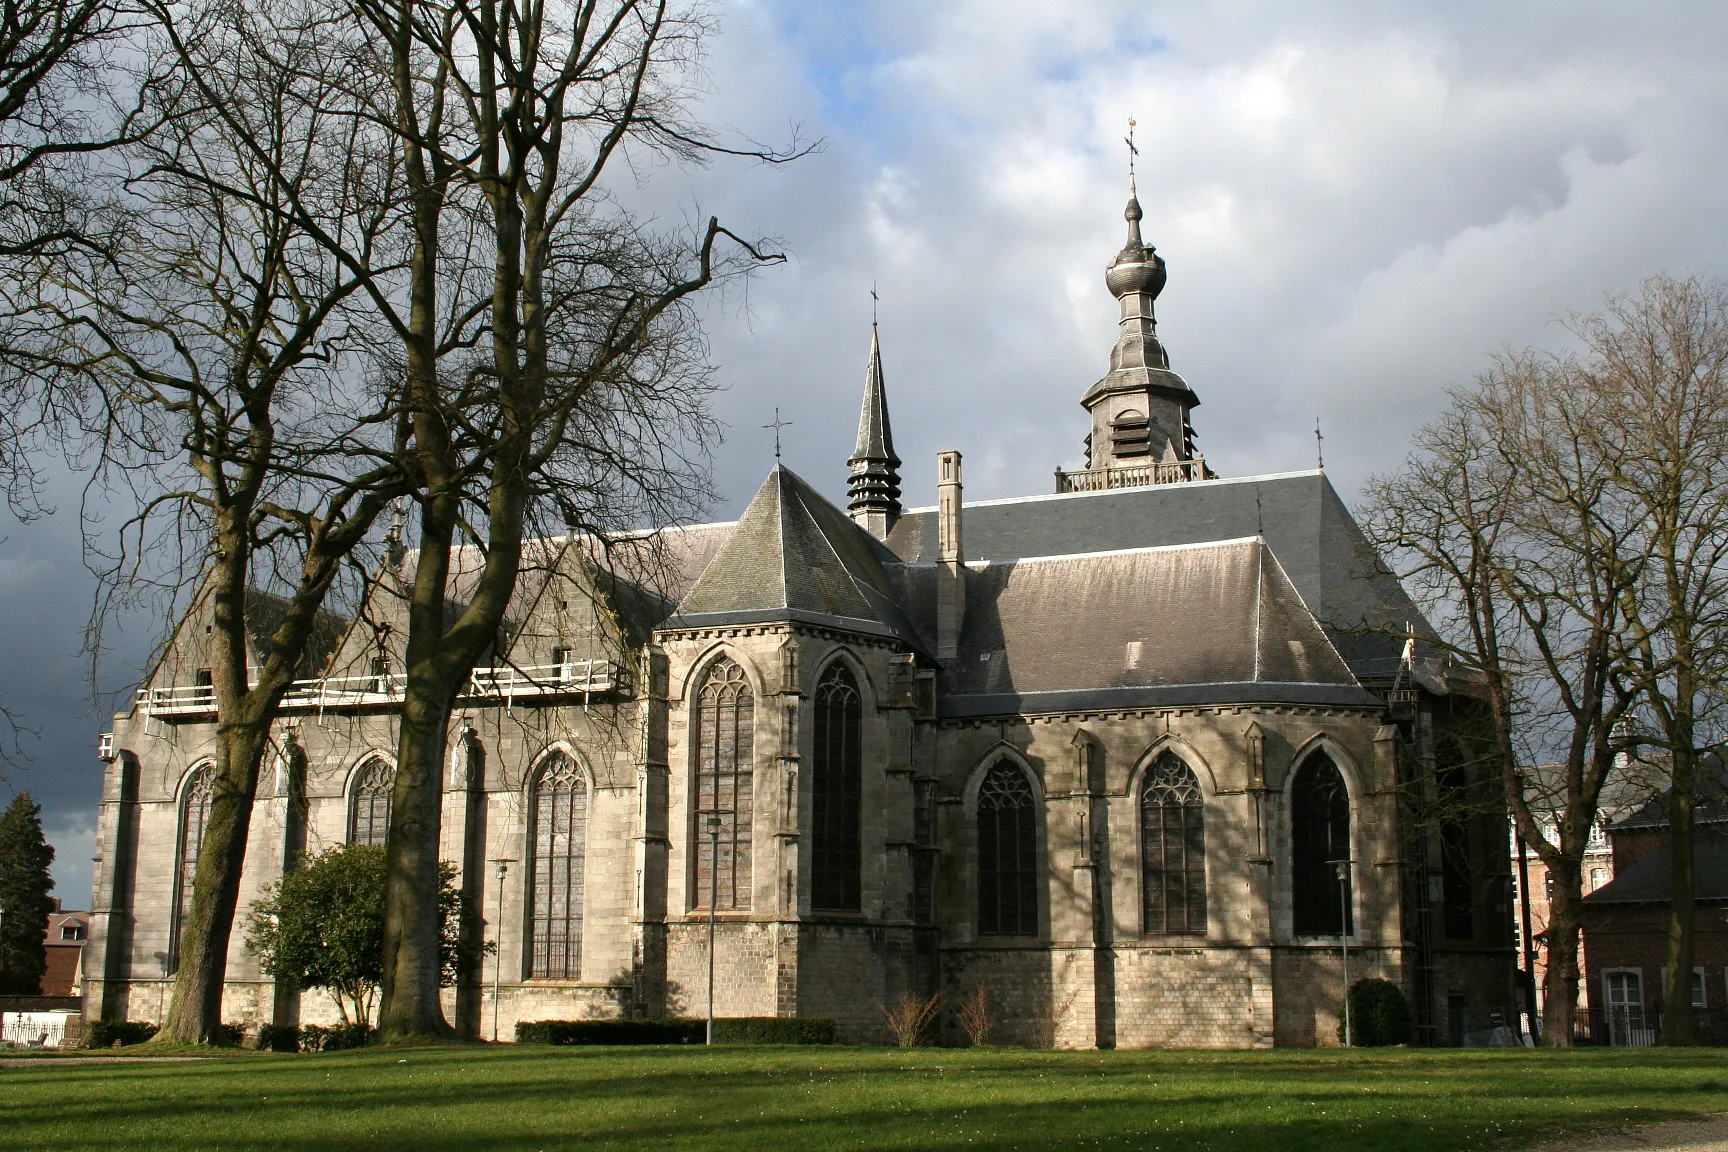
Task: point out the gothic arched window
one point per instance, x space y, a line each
560 814
374 792
1172 849
195 801
836 778
725 766
1319 838
1007 853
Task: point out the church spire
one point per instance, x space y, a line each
1140 409
874 486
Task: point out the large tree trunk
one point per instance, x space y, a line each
1560 981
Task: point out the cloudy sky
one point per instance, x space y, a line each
1359 202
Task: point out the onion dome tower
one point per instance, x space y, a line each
1140 411
874 486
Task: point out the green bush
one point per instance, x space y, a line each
278 1038
774 1030
671 1031
1379 1014
337 1039
108 1033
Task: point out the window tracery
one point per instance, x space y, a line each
725 784
835 787
1172 849
1320 837
195 804
559 840
374 795
1007 853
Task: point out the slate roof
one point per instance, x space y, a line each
794 556
1299 515
1212 623
1648 881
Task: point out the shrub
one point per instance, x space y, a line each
117 1033
774 1030
670 1031
278 1038
1379 1014
975 1019
911 1017
343 1036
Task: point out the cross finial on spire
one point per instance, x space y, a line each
1319 446
777 425
1132 153
874 301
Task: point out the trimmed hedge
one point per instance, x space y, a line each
727 1030
671 1031
774 1030
1379 1014
117 1033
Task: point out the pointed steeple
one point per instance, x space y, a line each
874 486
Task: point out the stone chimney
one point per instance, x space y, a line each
951 558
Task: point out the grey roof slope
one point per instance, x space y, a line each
1648 881
1213 623
794 556
1299 515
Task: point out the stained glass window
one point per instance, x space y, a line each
560 810
835 783
1172 849
725 784
1007 851
1320 836
194 818
374 791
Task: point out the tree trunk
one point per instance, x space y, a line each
1677 1023
195 1009
1560 981
411 1005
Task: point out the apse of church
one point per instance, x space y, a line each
1136 758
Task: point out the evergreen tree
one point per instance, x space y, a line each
24 901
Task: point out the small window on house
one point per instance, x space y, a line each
72 930
1598 877
1698 998
203 678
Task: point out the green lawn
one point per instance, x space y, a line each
767 1099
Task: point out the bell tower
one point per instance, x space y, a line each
873 487
1140 410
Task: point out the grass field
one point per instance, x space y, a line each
762 1099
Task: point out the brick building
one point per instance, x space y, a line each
1099 752
1625 925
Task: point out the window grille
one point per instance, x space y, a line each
1320 835
560 812
374 793
725 784
835 785
1172 849
1007 851
194 818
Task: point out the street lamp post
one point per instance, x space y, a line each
503 863
1343 870
713 901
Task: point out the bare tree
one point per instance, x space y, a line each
225 388
587 366
1658 367
1502 522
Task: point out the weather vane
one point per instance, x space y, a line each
777 425
1132 151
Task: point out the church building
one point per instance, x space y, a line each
1143 758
